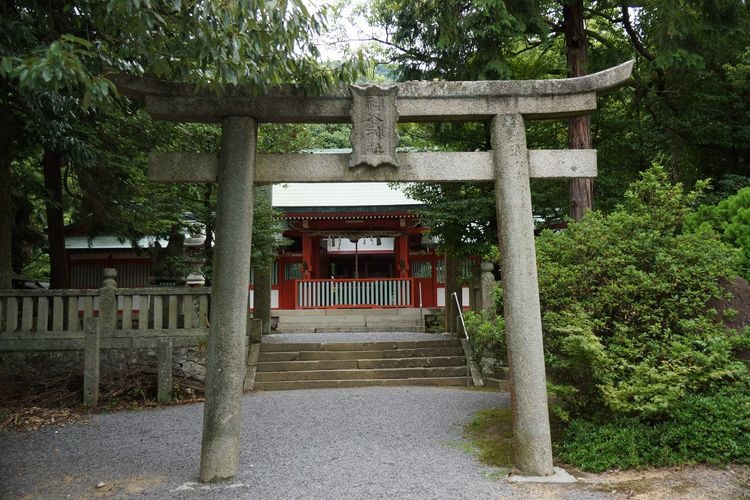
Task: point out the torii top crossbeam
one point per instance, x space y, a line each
417 101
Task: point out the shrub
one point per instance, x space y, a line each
624 298
713 429
730 218
640 365
487 335
622 443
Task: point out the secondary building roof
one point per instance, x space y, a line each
108 242
348 194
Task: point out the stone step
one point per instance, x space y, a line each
350 364
322 320
302 365
350 320
412 312
354 374
357 346
269 356
346 329
320 384
420 362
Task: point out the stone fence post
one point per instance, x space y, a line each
95 329
488 288
108 302
91 362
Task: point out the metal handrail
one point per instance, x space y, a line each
466 335
460 315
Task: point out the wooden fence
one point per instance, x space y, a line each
107 318
54 319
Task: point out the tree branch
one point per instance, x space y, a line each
639 47
530 46
591 13
596 36
410 53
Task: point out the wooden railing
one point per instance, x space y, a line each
106 318
354 293
54 319
163 308
43 311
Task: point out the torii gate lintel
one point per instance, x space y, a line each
419 101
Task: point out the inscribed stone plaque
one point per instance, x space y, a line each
374 116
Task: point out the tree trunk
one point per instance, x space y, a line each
208 245
579 127
52 166
451 286
6 202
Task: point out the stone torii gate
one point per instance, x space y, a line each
373 112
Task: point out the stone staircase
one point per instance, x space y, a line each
351 320
314 365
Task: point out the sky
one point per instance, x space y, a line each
349 29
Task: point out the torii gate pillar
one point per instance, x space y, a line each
220 446
523 325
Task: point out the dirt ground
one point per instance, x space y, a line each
690 482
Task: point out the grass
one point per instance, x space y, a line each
491 435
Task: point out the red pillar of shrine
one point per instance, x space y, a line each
307 256
403 255
315 267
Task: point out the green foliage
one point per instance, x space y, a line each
330 136
486 334
75 45
460 215
694 83
445 39
624 298
284 138
623 443
709 428
267 228
730 218
641 366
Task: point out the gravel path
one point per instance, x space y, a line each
378 442
328 443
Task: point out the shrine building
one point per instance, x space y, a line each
354 245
